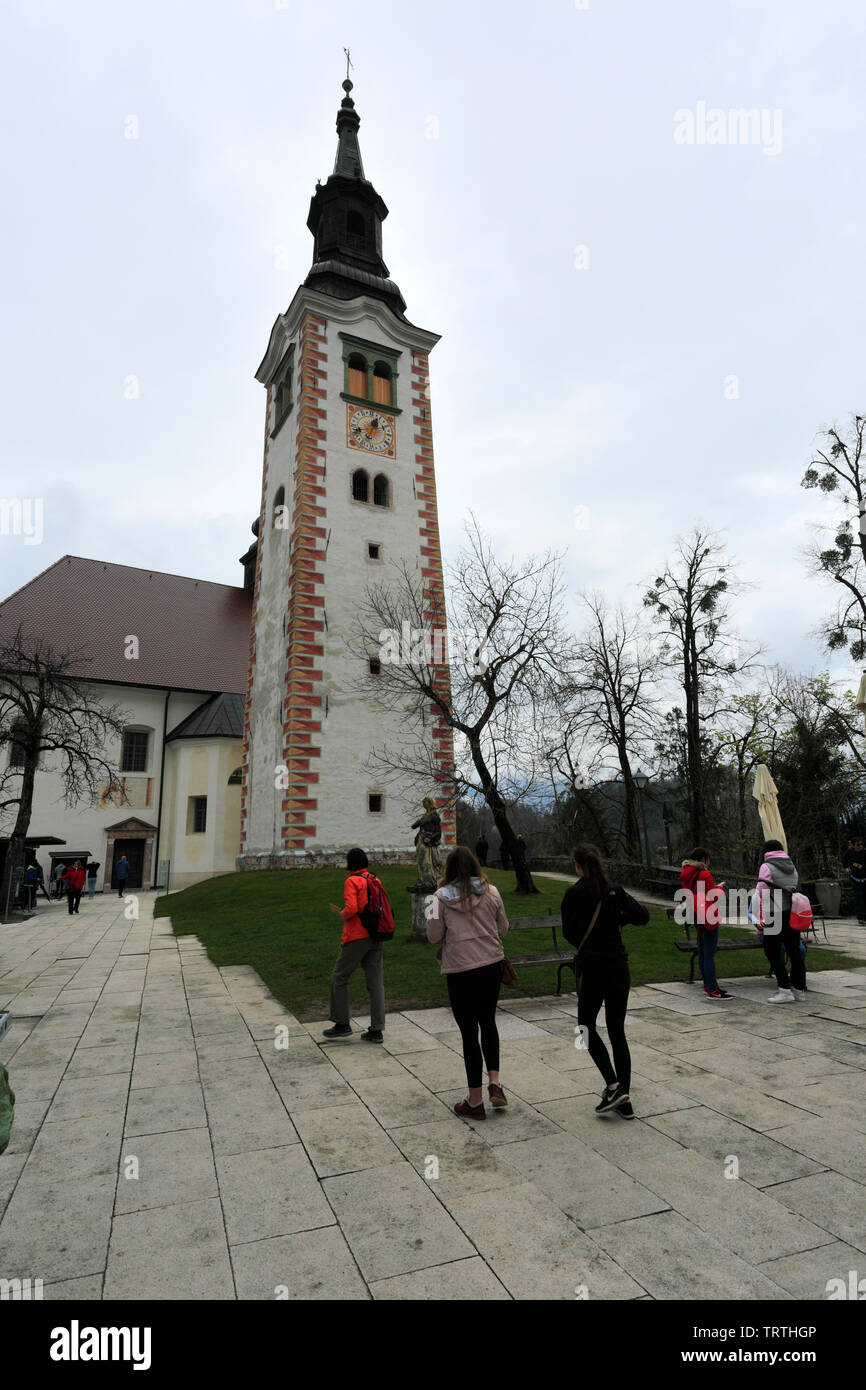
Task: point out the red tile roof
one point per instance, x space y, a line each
192 634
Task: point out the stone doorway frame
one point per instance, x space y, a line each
131 829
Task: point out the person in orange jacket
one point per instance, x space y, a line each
357 948
697 880
73 877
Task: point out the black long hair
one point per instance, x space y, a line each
588 860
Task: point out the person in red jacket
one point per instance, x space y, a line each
697 880
73 877
357 948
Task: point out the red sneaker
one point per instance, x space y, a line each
470 1112
497 1096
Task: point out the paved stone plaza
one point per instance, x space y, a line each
309 1171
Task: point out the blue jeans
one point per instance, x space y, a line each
707 943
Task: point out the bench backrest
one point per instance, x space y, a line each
549 923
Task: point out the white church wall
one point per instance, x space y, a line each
354 728
201 767
83 826
269 672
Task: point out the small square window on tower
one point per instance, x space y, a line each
375 666
374 551
375 803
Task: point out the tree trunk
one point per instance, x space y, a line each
18 838
500 820
691 678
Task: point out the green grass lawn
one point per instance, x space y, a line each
280 924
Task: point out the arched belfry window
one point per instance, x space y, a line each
360 486
381 491
358 375
279 515
382 384
356 229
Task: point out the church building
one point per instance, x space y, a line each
247 742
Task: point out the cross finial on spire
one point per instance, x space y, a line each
349 63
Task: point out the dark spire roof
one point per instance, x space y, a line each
348 161
222 716
346 216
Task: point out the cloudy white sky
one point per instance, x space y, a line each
596 283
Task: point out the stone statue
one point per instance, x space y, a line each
427 841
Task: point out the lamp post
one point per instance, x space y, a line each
640 781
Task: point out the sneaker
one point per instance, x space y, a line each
612 1097
497 1096
783 996
715 994
798 993
723 994
372 1035
470 1112
625 1110
339 1030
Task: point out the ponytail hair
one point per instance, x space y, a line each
588 860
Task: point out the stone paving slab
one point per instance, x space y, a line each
167 1144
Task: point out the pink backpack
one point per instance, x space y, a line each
801 912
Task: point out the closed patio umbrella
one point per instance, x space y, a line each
860 701
764 792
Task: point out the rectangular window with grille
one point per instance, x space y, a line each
197 815
133 757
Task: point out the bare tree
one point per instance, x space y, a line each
488 686
838 468
49 715
744 735
609 706
690 597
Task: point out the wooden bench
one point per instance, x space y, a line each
743 944
737 944
563 960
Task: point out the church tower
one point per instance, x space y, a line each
348 486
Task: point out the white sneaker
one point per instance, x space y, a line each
784 996
798 993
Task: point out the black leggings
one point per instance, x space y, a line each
774 950
474 995
608 983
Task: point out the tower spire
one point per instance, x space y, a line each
348 161
346 216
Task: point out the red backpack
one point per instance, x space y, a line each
377 918
801 912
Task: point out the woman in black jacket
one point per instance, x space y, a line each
603 961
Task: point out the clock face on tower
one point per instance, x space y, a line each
370 430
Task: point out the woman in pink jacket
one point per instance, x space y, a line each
468 917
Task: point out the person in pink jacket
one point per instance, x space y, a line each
468 917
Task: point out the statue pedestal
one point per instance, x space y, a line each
421 899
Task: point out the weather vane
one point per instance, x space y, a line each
349 63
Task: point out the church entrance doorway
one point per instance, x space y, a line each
134 851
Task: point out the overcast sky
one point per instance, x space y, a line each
637 332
